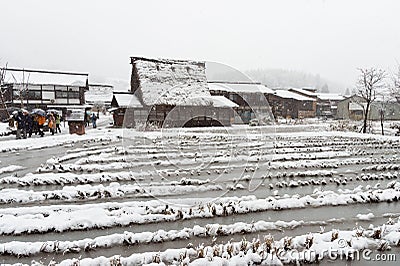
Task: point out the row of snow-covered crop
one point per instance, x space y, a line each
114 190
307 248
61 218
173 168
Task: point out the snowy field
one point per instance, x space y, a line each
202 196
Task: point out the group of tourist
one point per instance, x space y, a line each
28 123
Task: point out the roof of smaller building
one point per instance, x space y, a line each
241 87
91 97
292 95
99 93
303 91
127 100
221 101
352 98
353 106
98 86
308 88
330 96
68 106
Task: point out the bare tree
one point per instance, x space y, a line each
383 103
395 86
23 86
370 81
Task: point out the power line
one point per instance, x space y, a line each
45 71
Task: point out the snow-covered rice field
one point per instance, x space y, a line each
236 196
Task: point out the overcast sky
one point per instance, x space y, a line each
327 37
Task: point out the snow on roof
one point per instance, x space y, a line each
292 95
35 78
310 89
69 106
127 100
240 87
221 101
353 106
330 97
99 93
171 82
303 91
93 97
98 86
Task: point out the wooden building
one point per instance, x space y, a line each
174 93
288 104
250 97
352 108
29 89
326 103
125 106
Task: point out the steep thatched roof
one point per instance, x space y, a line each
170 82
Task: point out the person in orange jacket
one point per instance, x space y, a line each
40 120
52 123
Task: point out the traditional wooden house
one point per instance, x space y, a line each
326 103
175 93
125 106
42 89
250 97
288 104
353 108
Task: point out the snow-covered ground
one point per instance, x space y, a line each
200 196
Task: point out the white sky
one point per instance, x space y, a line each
329 37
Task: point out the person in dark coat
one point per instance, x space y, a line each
87 119
20 119
25 128
29 125
35 125
94 119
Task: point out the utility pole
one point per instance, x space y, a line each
2 81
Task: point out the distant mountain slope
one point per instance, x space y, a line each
290 78
273 78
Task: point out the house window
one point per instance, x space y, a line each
73 94
16 93
29 95
61 94
34 95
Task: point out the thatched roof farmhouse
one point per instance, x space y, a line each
176 93
170 82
